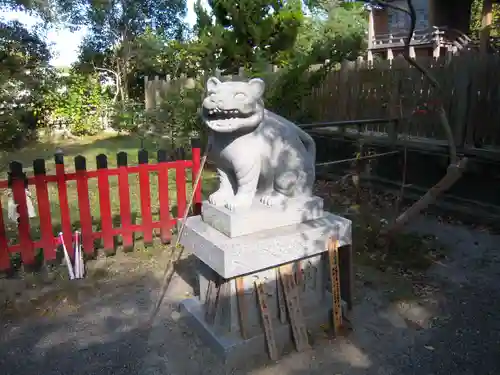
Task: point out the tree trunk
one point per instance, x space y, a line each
456 167
453 174
120 80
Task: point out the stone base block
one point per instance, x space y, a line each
260 217
231 257
232 349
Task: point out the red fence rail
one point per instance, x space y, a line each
18 182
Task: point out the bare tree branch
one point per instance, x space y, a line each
117 80
456 167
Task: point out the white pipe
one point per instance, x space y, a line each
77 257
80 269
67 258
82 262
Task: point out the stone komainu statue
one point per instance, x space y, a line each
257 153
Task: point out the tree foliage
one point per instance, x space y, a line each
42 8
78 104
155 54
244 31
114 28
130 39
335 31
25 77
476 19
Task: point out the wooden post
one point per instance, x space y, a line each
241 72
242 308
437 36
292 299
346 89
266 320
486 19
390 55
147 93
281 298
371 30
369 56
156 91
212 300
413 54
333 256
461 74
436 52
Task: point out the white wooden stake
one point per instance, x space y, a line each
67 258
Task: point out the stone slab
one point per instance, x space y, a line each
261 217
231 257
232 349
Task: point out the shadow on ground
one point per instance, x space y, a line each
450 325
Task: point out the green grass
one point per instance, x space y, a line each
90 147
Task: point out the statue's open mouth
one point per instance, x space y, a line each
227 121
216 114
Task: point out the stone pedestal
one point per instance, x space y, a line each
260 217
250 246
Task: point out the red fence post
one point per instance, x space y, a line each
124 194
195 156
180 182
105 203
4 247
82 188
44 212
63 203
165 226
19 184
145 191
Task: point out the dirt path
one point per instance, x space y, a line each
448 324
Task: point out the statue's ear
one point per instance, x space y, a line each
212 83
257 86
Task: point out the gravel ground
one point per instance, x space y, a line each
451 327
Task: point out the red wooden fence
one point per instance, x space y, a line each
18 182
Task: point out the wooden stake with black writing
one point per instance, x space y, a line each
281 298
266 320
211 301
333 257
292 298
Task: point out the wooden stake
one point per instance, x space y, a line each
281 298
222 313
298 273
292 297
266 320
242 309
333 256
211 301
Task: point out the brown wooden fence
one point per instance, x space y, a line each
470 95
357 91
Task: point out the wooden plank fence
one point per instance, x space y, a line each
360 90
18 182
470 95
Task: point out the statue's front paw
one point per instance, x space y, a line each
239 202
219 198
272 199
